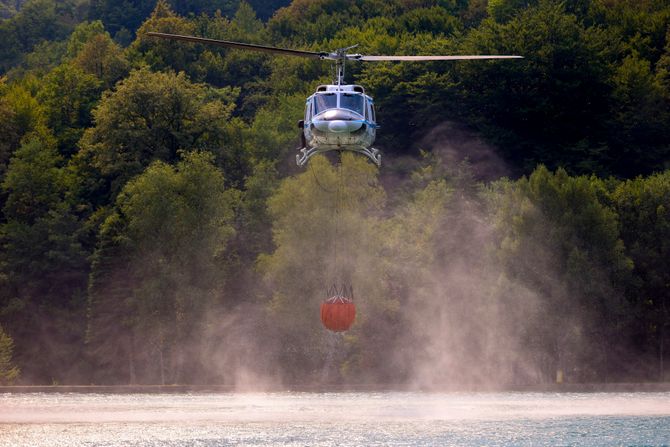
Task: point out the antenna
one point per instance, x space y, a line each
339 71
340 56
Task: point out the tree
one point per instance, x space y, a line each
82 34
245 26
266 8
639 125
20 115
168 238
549 107
460 320
8 372
151 116
68 96
643 207
202 7
503 10
37 21
104 59
43 264
558 239
163 54
313 21
44 57
121 18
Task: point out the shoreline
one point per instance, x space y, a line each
618 387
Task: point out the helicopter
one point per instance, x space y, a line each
338 116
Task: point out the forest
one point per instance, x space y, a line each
155 229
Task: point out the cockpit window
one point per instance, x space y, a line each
324 101
352 102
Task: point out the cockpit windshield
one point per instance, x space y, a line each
324 101
353 101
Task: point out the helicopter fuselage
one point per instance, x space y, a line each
339 117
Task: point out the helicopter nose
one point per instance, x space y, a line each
338 126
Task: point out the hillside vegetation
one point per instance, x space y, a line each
154 228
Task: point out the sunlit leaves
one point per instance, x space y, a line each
68 96
103 58
150 116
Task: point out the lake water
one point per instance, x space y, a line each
335 419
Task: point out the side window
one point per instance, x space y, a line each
308 110
373 117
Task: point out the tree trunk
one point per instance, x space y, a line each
661 353
131 360
162 364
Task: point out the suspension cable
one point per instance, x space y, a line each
318 183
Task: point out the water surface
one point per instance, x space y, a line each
385 418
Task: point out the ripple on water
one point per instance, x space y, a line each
334 419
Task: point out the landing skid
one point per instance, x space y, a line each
308 152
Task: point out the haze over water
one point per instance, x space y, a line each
385 418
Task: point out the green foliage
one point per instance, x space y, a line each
274 130
161 53
209 7
104 59
640 25
643 207
308 21
20 115
641 115
38 20
558 239
43 260
68 96
82 34
170 210
121 18
409 98
125 162
503 10
8 372
30 181
44 57
171 226
266 8
550 101
245 26
255 222
151 116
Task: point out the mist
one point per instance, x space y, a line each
438 307
459 279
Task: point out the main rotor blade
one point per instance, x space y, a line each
239 45
360 57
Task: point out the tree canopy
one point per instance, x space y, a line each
154 227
